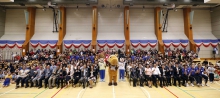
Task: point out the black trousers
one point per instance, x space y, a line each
155 77
198 79
206 78
60 81
40 81
134 81
141 78
20 79
164 80
192 78
178 78
27 80
185 79
211 77
76 80
46 81
169 80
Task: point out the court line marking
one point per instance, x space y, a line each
214 88
200 90
186 92
217 83
198 96
113 91
7 92
78 96
40 93
146 91
161 93
57 92
171 92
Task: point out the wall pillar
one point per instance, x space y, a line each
62 30
127 29
94 27
188 28
30 29
158 31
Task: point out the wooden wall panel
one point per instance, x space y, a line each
94 27
188 28
127 28
62 30
30 28
158 31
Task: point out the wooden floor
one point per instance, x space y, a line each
123 90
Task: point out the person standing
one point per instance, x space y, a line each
121 65
211 71
134 75
102 66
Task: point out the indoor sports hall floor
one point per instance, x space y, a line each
123 90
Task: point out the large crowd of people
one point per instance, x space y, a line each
142 67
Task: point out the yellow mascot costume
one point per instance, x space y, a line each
113 60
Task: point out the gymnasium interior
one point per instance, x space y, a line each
60 25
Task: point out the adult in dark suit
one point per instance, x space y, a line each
134 75
61 76
84 75
163 71
76 76
169 74
140 74
30 77
177 73
47 73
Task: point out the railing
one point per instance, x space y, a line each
9 54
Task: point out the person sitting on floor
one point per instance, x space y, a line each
8 78
216 76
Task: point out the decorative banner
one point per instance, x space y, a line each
11 44
175 43
77 43
110 43
206 42
44 43
143 43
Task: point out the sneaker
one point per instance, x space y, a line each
202 84
187 84
192 85
206 85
